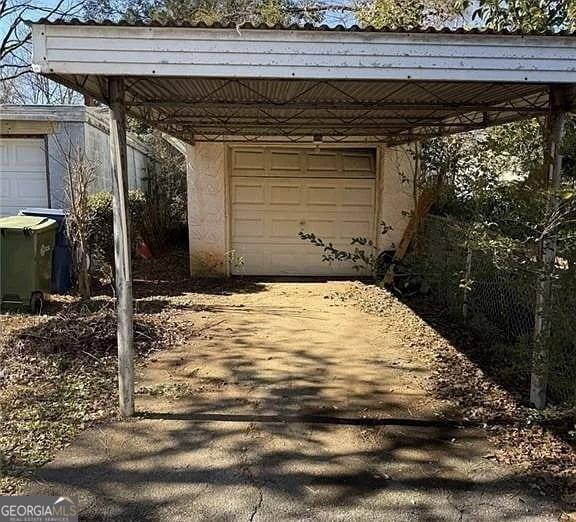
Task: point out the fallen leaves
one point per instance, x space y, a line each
522 437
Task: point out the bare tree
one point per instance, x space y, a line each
33 89
17 83
80 177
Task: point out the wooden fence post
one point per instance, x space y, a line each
122 254
547 253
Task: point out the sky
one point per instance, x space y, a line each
44 7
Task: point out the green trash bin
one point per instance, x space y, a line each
26 246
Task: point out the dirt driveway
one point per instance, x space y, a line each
288 405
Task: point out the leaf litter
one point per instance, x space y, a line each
524 438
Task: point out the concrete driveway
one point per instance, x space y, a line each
289 405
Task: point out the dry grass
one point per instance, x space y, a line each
58 371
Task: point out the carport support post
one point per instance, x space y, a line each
547 255
122 261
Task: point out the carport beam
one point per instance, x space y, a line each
122 261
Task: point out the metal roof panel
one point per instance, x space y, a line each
305 27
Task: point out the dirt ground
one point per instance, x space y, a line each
289 403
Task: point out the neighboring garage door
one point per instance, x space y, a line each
275 193
22 174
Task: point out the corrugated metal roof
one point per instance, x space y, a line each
304 27
210 108
220 106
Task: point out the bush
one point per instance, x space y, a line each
166 196
100 229
157 215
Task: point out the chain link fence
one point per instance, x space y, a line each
499 303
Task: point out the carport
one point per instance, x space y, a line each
303 85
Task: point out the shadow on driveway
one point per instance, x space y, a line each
290 407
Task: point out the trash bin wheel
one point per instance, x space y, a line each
36 302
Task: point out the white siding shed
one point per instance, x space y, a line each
34 143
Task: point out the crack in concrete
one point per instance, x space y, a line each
251 434
258 505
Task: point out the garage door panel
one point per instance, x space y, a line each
358 196
27 187
248 193
285 261
29 155
284 228
248 162
325 195
323 162
361 215
269 211
249 228
247 259
285 194
306 163
22 175
21 154
5 187
357 164
285 161
282 261
323 228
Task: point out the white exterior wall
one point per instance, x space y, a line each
65 142
97 149
207 204
395 194
208 214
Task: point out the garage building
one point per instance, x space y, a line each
37 139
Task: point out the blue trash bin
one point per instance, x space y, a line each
62 256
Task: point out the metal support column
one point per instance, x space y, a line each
547 253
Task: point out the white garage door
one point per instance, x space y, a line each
276 193
22 175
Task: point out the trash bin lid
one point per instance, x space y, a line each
37 211
57 214
35 223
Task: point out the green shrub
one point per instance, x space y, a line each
157 215
100 230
